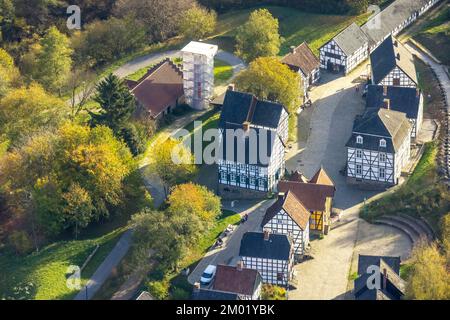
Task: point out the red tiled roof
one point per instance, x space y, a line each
312 196
321 177
302 58
159 88
293 207
231 279
298 176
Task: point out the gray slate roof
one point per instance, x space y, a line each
278 246
391 17
351 39
389 54
377 123
207 294
406 100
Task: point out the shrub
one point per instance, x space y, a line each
180 294
271 292
159 289
20 242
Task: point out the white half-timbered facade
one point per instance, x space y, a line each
252 137
271 254
393 65
345 51
379 148
290 217
402 99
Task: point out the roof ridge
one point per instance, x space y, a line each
151 70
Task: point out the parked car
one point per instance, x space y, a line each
208 275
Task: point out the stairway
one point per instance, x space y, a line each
415 229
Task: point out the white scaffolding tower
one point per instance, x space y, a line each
198 73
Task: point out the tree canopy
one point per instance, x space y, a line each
258 37
270 79
198 22
73 175
9 74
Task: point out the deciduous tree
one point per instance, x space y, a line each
9 74
258 37
198 22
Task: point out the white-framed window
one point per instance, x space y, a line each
359 154
232 177
223 175
383 143
359 139
382 157
358 169
252 181
382 173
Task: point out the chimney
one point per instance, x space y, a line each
246 126
266 235
280 195
196 286
398 56
240 265
231 87
293 49
384 91
387 103
384 278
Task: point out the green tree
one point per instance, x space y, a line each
198 22
429 279
272 292
78 208
9 74
258 37
116 103
172 172
268 78
25 111
53 60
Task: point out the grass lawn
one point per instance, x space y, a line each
47 269
422 195
295 27
222 72
433 32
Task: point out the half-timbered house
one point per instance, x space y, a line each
379 148
390 285
290 217
346 50
393 65
253 134
316 195
271 254
303 61
402 99
245 282
394 18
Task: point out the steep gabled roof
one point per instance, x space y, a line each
389 54
292 206
161 86
298 176
277 247
376 124
351 39
313 196
401 99
232 279
239 107
321 177
302 58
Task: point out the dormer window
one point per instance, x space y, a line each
383 143
359 139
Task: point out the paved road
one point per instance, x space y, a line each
228 254
104 270
325 129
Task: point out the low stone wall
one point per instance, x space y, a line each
228 192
